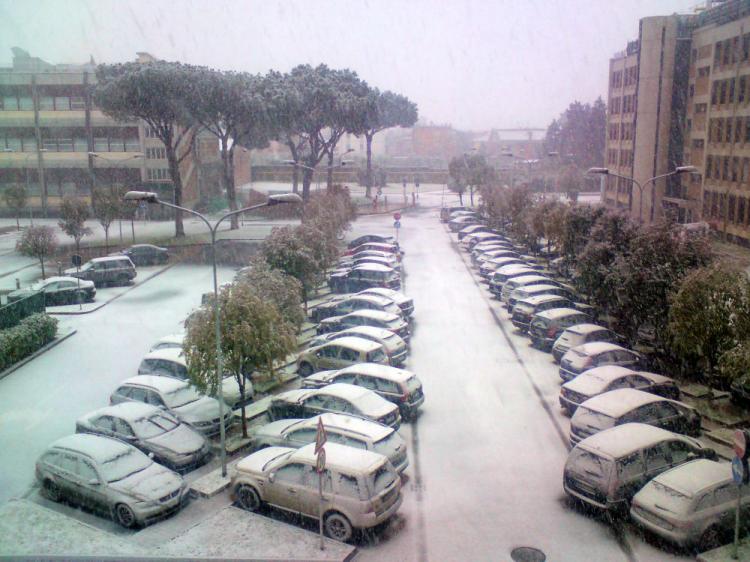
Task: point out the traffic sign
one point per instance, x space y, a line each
738 470
76 260
396 216
320 462
740 443
321 437
397 225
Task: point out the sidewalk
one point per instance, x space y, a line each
724 553
28 529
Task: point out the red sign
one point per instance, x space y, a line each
320 462
320 438
740 443
396 216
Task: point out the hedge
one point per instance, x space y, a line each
20 341
11 314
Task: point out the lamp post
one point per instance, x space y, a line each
678 170
116 163
272 200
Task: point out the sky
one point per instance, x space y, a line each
473 64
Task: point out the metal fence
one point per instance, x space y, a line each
12 313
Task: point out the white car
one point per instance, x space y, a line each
394 345
405 303
169 342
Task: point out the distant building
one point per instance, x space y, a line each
56 142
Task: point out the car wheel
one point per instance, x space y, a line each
248 498
305 369
710 539
124 516
337 527
52 490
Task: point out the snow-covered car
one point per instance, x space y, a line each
393 249
627 405
370 238
152 430
578 335
525 309
115 270
354 261
178 398
540 288
469 241
607 469
111 477
393 322
340 353
460 222
146 254
691 505
494 252
58 291
346 304
394 345
499 277
611 377
405 303
170 362
489 266
361 488
169 342
365 276
525 281
399 386
340 428
545 327
596 354
338 398
471 229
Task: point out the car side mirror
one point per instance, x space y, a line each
710 454
272 477
94 482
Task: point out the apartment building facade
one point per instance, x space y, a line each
55 142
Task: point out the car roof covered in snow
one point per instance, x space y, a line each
622 440
372 331
375 369
173 354
372 267
597 347
540 299
129 411
97 447
595 380
162 384
374 314
341 457
360 344
556 313
615 403
695 476
376 431
585 328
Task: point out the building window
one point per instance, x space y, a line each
730 99
735 169
725 52
709 165
719 130
150 134
703 71
745 173
700 108
156 153
725 168
698 143
728 131
717 53
732 205
741 210
722 92
157 174
738 122
741 89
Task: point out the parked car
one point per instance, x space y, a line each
525 281
489 266
365 276
405 303
547 326
178 398
170 362
611 377
484 247
628 405
361 489
340 353
526 291
596 354
152 430
401 387
579 334
340 428
475 238
608 468
525 310
111 477
110 270
172 341
337 398
471 229
394 345
346 304
393 249
499 277
58 291
368 238
692 505
497 252
458 223
146 254
393 322
359 259
445 212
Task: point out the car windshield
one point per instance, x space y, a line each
370 403
131 461
181 397
153 426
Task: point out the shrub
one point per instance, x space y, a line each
28 336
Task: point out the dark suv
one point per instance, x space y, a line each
363 277
114 270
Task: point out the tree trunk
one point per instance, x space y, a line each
41 262
241 382
18 225
461 198
227 176
174 172
368 173
471 195
295 170
132 227
329 171
106 238
307 176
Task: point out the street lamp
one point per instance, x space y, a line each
150 197
678 170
